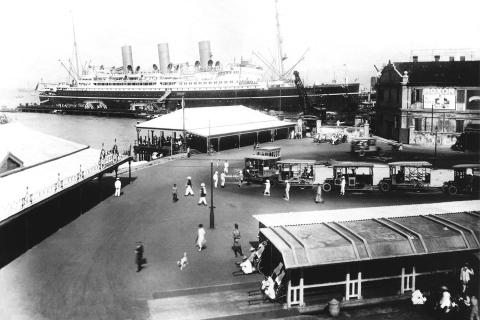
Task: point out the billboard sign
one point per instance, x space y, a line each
439 98
473 100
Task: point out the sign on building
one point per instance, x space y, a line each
439 98
473 100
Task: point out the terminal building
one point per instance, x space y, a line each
420 100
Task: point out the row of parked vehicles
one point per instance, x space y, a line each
404 175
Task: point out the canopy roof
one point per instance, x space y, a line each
297 161
216 121
350 240
419 164
466 166
352 164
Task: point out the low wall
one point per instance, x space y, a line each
425 138
350 132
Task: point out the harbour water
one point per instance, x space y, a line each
88 130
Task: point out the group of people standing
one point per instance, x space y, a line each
463 305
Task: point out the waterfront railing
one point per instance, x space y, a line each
107 159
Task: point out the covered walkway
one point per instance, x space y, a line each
209 128
398 246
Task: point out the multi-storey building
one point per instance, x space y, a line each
417 101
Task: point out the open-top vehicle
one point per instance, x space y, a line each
466 179
358 176
407 175
364 146
259 168
299 172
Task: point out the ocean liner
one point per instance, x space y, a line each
204 83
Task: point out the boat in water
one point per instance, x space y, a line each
203 83
199 84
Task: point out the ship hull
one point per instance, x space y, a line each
334 97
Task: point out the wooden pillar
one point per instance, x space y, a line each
302 303
218 144
257 138
238 141
413 278
289 292
402 282
359 286
116 172
208 145
347 287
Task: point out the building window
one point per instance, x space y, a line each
460 96
417 95
459 126
418 124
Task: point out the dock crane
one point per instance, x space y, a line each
308 107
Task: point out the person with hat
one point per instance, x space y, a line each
174 193
215 179
200 241
318 197
266 192
465 274
342 186
236 247
203 195
118 186
139 260
446 300
188 187
287 191
222 179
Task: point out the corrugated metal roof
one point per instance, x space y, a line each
340 242
411 164
354 214
215 121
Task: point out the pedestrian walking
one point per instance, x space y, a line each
118 186
318 197
266 192
465 274
240 178
200 241
225 166
342 186
203 195
215 179
287 191
139 259
174 193
236 247
222 179
188 187
474 308
188 152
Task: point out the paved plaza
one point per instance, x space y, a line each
86 269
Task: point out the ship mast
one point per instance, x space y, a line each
279 39
75 48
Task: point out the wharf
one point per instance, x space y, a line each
86 269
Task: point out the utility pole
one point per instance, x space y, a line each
212 214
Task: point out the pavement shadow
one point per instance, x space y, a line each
37 223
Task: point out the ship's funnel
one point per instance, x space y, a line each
164 57
205 53
127 57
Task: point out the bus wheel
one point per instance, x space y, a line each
452 190
445 188
385 186
327 187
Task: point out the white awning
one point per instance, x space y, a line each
216 121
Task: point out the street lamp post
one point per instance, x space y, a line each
212 214
435 155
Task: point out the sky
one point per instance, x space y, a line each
345 38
